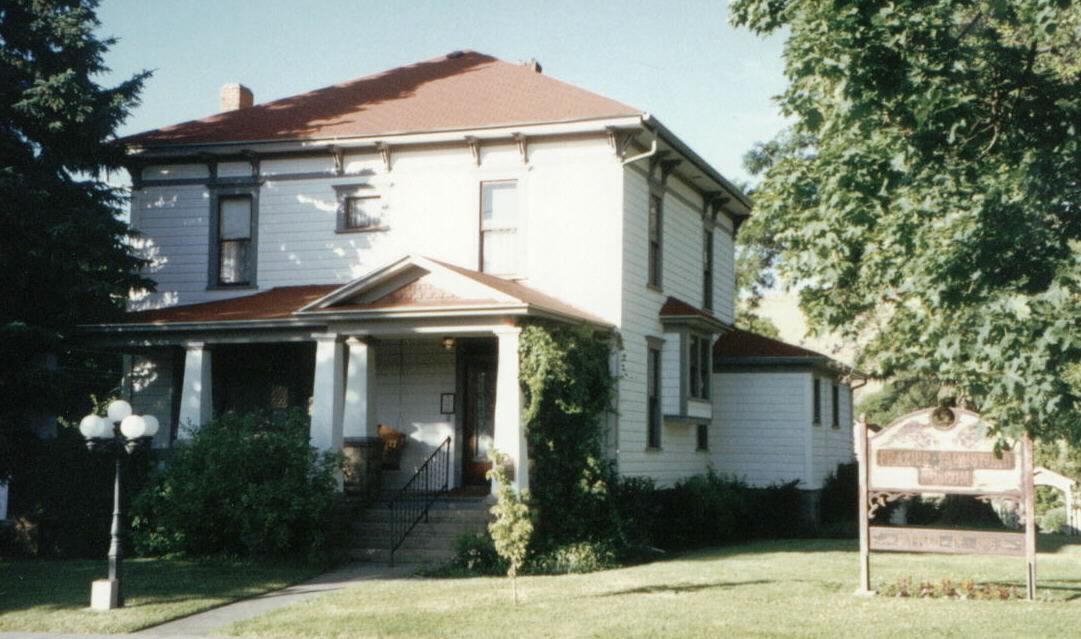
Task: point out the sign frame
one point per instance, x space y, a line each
949 472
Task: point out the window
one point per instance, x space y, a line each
817 402
653 383
656 222
362 213
702 437
707 270
234 242
698 367
499 253
836 418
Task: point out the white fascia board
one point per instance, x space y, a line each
395 139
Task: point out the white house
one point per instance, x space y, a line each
370 250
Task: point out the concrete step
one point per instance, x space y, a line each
411 556
444 528
410 543
435 516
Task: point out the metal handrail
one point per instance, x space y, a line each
414 500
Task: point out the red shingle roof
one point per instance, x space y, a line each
276 303
462 90
675 307
739 343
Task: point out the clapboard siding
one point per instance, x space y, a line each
760 425
832 446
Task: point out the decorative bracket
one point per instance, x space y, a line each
253 161
211 166
667 166
474 148
876 500
523 146
618 140
384 152
655 161
339 160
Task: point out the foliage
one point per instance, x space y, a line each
65 253
62 495
578 558
926 197
475 554
244 485
1054 520
567 389
747 319
838 503
948 589
512 525
898 397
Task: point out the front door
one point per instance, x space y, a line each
478 426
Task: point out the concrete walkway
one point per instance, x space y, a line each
206 623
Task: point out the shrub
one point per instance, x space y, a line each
578 558
1054 520
474 554
838 504
948 589
244 486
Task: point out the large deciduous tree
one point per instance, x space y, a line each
64 252
927 198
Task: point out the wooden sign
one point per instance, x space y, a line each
943 451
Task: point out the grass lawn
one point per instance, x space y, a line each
765 589
54 596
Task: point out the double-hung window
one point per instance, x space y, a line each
362 213
816 402
656 227
698 360
234 241
835 420
499 254
653 384
707 270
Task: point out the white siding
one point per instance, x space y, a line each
760 426
151 381
832 446
724 273
410 376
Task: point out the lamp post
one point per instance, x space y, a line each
121 433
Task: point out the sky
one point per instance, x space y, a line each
680 61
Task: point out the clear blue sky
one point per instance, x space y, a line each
681 61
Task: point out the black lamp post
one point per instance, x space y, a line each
122 433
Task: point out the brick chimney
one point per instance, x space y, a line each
235 96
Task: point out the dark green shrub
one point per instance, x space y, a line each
244 485
474 554
62 495
777 511
838 503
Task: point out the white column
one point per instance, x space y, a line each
509 433
3 501
196 400
358 414
328 392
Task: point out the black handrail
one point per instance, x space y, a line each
416 497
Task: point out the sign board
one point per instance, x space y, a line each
943 451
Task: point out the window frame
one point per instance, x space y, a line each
701 437
835 397
217 196
707 269
481 230
698 361
345 193
655 248
816 406
654 410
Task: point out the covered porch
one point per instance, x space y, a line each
418 347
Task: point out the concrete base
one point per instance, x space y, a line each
105 594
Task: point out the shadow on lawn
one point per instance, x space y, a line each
676 589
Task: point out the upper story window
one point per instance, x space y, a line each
656 226
835 420
499 218
817 401
653 385
698 367
707 269
235 251
362 213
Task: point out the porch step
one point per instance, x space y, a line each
417 556
430 541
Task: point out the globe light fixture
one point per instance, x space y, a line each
120 433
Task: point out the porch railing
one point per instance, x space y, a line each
415 499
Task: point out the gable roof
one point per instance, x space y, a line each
675 310
738 347
459 91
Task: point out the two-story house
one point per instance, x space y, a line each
369 250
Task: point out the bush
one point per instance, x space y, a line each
1054 520
62 495
838 505
475 554
579 558
244 486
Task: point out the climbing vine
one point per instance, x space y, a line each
567 386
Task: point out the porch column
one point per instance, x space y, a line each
196 399
509 434
328 392
359 412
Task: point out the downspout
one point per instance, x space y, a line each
652 149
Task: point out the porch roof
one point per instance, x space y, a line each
738 347
411 287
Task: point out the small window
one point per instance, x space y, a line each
234 241
835 421
817 402
702 437
499 253
653 383
698 360
656 221
362 213
707 270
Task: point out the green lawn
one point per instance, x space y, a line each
767 589
54 596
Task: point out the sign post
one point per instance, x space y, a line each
943 451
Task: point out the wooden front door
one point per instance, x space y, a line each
478 427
